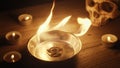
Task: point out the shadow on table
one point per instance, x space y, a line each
33 63
117 46
3 41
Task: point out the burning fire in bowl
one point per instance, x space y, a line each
54 44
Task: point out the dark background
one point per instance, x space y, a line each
15 4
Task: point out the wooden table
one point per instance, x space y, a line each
93 53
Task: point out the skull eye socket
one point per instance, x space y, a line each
106 6
91 3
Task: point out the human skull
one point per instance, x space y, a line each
101 11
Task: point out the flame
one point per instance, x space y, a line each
27 18
62 23
109 39
45 26
12 56
13 34
85 24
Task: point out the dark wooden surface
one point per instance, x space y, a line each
14 4
93 53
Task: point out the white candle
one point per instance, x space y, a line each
109 39
25 19
13 37
12 56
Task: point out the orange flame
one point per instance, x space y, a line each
62 23
45 26
109 39
84 23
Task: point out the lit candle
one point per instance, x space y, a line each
109 40
13 37
25 19
12 57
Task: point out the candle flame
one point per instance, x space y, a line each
12 56
27 18
13 34
109 39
